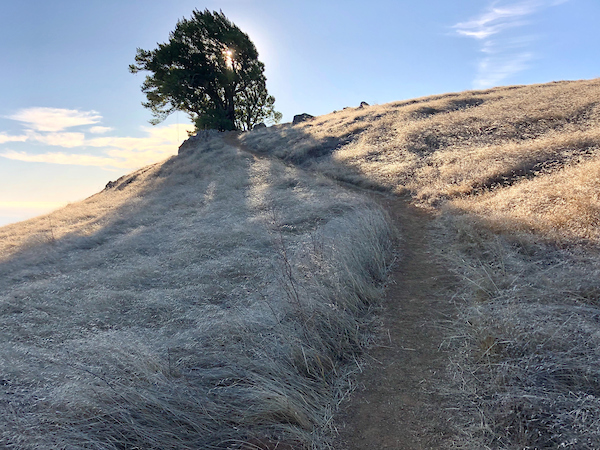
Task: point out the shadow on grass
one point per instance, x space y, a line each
168 325
529 338
294 146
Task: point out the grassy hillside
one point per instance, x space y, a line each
212 301
513 174
472 150
218 300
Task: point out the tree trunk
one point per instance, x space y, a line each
230 106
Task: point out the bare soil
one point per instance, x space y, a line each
398 404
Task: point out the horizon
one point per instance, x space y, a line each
72 118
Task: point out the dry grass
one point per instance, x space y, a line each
216 299
561 206
526 358
514 175
448 147
212 301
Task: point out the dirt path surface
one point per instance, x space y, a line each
397 404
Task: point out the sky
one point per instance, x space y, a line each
71 117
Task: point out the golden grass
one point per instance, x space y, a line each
562 206
514 173
452 148
214 300
82 218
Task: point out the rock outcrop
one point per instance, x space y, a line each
199 137
298 118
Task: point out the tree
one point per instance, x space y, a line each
209 69
255 105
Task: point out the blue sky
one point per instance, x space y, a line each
71 117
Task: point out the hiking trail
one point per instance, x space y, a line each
397 403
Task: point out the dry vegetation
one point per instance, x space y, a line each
452 147
215 300
514 174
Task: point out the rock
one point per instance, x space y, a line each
200 137
301 118
259 126
363 104
111 184
122 182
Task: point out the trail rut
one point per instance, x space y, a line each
397 404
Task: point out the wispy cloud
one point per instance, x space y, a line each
131 152
4 138
55 119
493 70
497 19
100 130
86 147
66 140
63 158
505 54
114 152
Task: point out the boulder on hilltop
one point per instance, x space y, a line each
199 137
298 118
259 126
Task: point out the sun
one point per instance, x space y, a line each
228 58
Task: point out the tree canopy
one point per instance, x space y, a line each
209 69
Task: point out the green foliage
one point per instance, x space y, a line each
254 105
214 119
209 69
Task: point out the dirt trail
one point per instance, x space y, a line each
397 404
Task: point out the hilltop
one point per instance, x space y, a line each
469 150
224 298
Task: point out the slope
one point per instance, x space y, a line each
221 285
511 175
449 149
214 300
